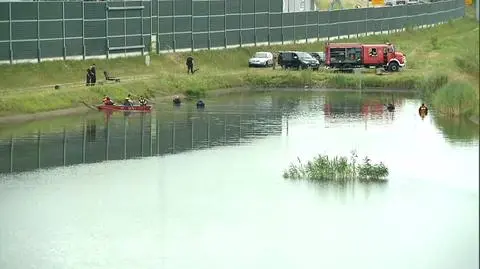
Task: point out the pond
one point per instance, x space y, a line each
181 188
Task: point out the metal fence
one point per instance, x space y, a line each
66 29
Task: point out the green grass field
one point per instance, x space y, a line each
446 51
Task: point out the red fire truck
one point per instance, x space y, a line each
355 55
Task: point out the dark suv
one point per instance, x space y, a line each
297 60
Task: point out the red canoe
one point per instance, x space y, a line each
124 108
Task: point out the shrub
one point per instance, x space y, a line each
324 168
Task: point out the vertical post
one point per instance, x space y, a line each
306 26
173 26
255 22
84 142
84 49
64 144
294 27
39 54
107 39
225 23
241 23
64 32
141 30
318 26
125 138
269 21
366 20
281 21
10 19
151 23
158 26
208 29
124 25
12 146
191 24
328 35
39 137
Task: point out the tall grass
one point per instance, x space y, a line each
468 59
340 169
456 98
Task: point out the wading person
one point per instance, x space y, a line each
189 64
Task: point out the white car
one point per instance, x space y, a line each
261 59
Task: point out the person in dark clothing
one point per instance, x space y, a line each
93 72
89 77
189 64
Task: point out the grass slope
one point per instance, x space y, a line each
437 57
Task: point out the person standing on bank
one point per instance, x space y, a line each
189 64
93 72
89 77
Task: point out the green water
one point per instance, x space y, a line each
183 188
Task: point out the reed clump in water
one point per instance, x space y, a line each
338 168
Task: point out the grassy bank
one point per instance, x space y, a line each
437 57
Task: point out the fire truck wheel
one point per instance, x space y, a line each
393 67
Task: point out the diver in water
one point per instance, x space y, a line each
423 110
200 104
176 100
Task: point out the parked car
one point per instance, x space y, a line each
261 59
320 56
412 2
297 60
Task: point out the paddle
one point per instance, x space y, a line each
89 106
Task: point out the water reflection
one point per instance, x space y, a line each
126 137
348 192
458 129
